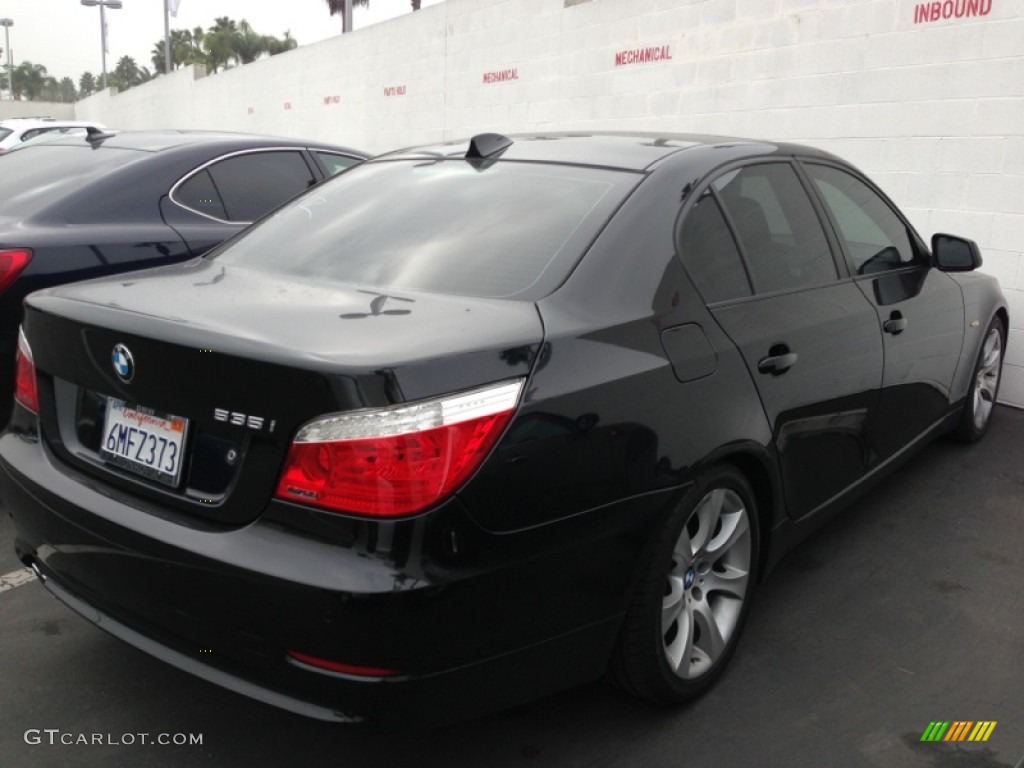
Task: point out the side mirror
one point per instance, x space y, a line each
955 254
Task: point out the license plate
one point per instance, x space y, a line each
144 441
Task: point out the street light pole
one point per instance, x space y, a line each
7 24
167 39
103 4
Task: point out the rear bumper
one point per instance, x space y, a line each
189 664
518 621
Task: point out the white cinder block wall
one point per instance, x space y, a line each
927 97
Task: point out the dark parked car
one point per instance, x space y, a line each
474 423
82 206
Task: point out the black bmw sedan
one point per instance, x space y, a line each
96 203
473 423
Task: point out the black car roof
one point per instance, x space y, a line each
636 151
159 141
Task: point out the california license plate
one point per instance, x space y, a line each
144 441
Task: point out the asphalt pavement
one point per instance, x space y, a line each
907 610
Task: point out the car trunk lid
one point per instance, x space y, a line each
245 358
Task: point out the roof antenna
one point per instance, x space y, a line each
485 145
93 134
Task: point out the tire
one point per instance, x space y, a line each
981 398
687 613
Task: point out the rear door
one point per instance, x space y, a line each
756 248
920 309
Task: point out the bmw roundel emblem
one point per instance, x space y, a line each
124 365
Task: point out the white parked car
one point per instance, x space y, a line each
17 130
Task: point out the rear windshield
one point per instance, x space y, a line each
34 177
511 230
4 133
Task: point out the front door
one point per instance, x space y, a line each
920 309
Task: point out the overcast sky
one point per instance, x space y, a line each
64 35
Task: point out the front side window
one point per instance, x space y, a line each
502 231
875 238
777 227
710 254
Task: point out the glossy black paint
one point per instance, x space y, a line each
121 220
516 585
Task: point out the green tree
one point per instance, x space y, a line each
86 84
280 45
127 74
28 79
248 45
337 7
219 43
183 51
158 58
68 93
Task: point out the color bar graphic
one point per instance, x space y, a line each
958 730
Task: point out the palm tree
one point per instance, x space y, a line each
86 84
28 79
50 90
67 89
220 43
128 74
338 6
158 58
276 46
248 45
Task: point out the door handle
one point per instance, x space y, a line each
896 323
780 359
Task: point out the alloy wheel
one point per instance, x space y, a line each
707 583
987 381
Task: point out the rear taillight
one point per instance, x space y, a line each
25 375
397 460
12 262
340 667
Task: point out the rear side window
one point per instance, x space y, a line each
777 227
253 184
245 187
875 238
334 163
199 194
710 254
507 230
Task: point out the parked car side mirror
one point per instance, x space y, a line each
955 254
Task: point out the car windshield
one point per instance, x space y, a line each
510 230
4 133
32 178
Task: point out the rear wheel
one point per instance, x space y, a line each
981 398
686 616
